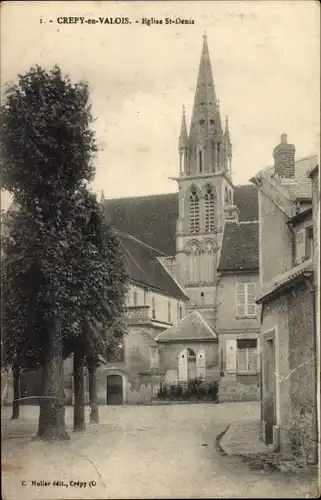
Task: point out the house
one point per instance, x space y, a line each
287 332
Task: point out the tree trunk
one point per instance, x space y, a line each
79 391
16 390
94 413
52 400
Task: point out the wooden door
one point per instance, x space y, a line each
114 390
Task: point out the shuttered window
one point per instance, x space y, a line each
245 299
247 359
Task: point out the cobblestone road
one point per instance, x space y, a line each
139 452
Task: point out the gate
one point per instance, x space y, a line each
114 390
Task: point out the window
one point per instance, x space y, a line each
194 209
308 242
145 297
247 355
202 299
169 311
245 299
153 308
209 208
226 200
180 312
200 161
135 298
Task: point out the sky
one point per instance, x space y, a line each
265 62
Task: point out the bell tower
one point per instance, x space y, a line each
205 187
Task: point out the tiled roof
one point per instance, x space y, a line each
144 267
240 247
152 219
191 327
281 281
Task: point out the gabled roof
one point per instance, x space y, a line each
152 219
191 327
144 267
240 247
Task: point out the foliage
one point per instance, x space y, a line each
61 257
47 144
193 389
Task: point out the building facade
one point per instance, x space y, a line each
286 296
209 238
193 261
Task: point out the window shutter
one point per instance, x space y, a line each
251 306
240 299
200 367
242 360
182 366
231 355
258 356
252 360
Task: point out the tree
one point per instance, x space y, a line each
64 273
48 151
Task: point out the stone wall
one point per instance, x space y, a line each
289 319
302 368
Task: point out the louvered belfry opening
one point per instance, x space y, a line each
209 209
194 211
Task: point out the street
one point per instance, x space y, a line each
154 451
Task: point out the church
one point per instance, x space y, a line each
193 263
193 260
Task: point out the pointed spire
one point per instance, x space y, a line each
102 197
205 97
227 132
183 137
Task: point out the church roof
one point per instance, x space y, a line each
240 247
152 219
144 267
191 327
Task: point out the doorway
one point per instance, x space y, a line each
114 388
270 391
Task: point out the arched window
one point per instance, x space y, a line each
194 210
209 209
200 161
202 299
191 364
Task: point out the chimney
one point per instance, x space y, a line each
284 159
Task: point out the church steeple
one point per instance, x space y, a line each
206 146
205 100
